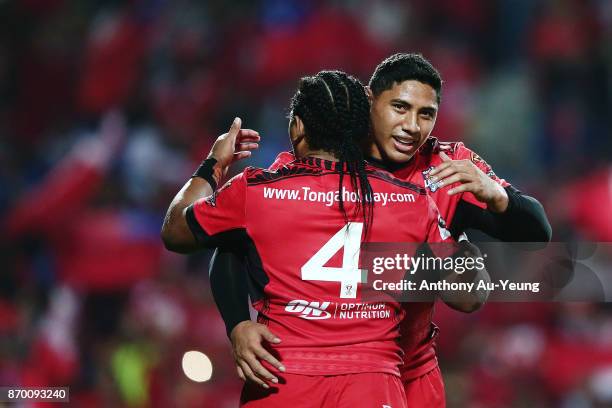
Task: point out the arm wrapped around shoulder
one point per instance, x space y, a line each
466 285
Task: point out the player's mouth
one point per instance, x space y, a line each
404 145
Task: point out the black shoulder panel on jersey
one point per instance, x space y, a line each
197 231
261 176
230 237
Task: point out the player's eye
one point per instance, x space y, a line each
399 107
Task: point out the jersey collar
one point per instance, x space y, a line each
388 166
321 163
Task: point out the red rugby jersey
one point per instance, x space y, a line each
304 260
428 157
417 169
418 333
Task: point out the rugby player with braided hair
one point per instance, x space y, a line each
291 222
405 93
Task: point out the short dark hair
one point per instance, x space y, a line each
405 67
336 114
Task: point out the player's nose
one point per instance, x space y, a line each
410 123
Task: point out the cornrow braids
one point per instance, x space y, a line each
335 110
360 119
342 127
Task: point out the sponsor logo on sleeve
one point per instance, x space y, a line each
484 166
432 186
476 158
211 200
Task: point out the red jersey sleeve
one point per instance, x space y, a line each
220 218
282 159
463 153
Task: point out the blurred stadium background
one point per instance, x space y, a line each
107 107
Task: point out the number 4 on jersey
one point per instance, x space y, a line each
349 275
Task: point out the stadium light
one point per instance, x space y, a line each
197 366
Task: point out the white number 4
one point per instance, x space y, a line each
349 275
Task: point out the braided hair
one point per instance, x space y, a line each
336 114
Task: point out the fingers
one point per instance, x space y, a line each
247 139
445 172
247 349
247 146
236 124
455 178
447 168
459 164
444 157
269 336
234 128
240 156
262 354
248 373
248 135
259 370
440 167
240 372
471 187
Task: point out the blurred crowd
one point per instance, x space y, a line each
107 107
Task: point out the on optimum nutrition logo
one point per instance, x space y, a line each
318 310
309 310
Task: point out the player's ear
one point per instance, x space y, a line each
296 135
369 93
299 125
296 129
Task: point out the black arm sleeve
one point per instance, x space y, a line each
232 237
523 221
228 282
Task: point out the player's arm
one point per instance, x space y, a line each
228 275
228 148
228 282
443 245
509 215
461 300
523 221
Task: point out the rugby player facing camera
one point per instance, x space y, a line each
405 94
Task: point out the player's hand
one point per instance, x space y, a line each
234 145
466 301
247 338
472 180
